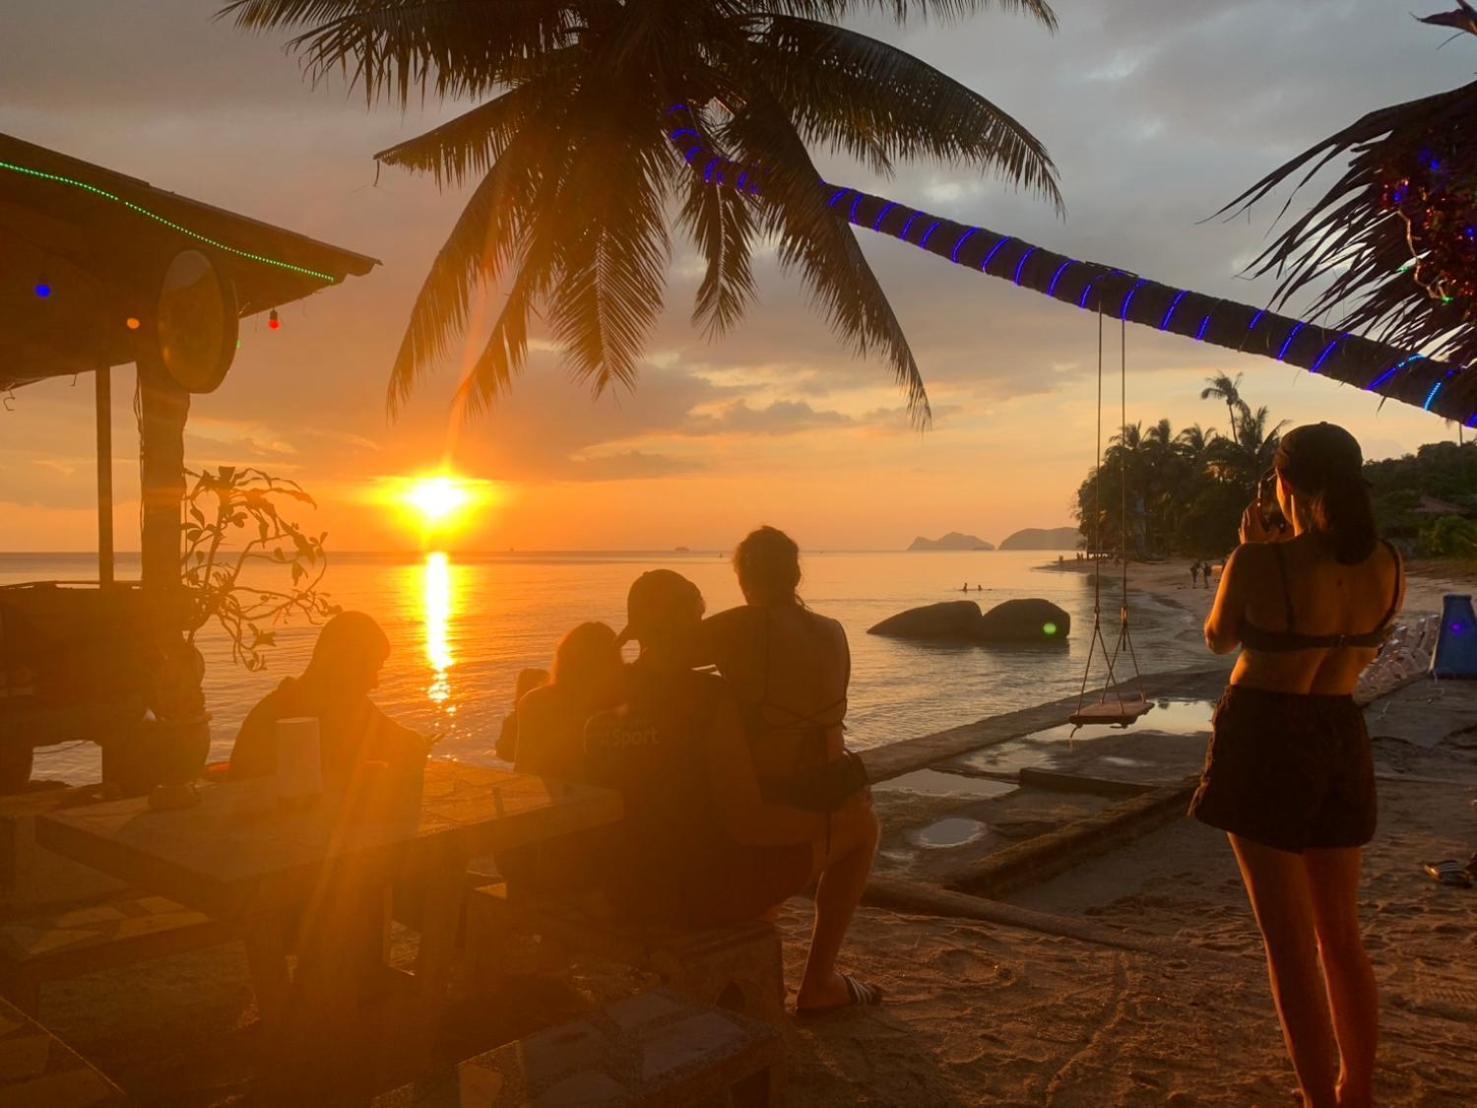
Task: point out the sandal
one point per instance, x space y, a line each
858 995
1449 872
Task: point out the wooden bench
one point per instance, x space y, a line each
118 931
38 1070
739 968
656 1049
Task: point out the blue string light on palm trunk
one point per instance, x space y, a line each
867 211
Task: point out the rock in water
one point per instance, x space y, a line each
1021 621
1032 620
953 619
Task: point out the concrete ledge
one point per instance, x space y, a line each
1045 856
907 755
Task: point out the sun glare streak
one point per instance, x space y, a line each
439 610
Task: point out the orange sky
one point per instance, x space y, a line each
776 423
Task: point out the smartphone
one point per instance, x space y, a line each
1266 502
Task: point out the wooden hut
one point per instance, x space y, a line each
100 269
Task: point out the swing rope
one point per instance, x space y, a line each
1125 636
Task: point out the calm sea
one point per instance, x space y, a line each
463 626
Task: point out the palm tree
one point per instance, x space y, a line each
1244 459
1221 387
572 150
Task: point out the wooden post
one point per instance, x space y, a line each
164 407
104 396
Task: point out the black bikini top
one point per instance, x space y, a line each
1280 642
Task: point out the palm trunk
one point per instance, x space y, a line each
1351 359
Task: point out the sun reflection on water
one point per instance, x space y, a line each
438 602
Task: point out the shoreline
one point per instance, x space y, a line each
1426 582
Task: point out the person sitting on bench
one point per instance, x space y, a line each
343 671
699 845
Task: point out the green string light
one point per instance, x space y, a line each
173 226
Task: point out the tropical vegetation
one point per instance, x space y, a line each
1183 493
577 183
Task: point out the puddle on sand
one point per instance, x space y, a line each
1040 749
932 782
954 831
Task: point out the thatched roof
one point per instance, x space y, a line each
99 238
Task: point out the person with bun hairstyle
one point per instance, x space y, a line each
789 668
1308 597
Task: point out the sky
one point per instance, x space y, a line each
1157 112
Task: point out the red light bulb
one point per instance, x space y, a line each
273 322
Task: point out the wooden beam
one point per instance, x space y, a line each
104 397
164 407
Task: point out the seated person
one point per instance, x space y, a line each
507 739
335 688
789 669
586 678
699 846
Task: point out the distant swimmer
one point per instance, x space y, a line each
965 588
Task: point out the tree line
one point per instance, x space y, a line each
1182 493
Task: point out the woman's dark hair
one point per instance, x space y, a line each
1323 462
768 566
586 657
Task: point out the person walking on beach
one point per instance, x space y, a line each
1194 574
1308 597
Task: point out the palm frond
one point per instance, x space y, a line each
612 256
881 104
819 243
482 243
721 222
397 47
901 10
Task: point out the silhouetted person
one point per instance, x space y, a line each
507 739
1194 574
344 669
586 678
789 668
699 844
1289 774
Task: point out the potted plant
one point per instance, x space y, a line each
246 568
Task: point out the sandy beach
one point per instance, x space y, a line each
1132 976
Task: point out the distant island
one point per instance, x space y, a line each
1044 538
952 541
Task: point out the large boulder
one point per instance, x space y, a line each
953 619
1022 621
1029 620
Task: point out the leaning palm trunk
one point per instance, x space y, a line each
1378 367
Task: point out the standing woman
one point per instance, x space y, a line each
1308 597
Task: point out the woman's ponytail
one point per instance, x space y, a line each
1323 463
1343 513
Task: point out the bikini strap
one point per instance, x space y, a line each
1286 584
1395 596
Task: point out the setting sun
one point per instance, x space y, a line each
438 499
436 503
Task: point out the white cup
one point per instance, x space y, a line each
299 758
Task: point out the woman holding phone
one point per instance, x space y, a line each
1307 598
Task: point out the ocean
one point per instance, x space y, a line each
462 626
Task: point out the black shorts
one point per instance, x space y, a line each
1288 770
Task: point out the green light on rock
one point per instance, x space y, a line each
1048 629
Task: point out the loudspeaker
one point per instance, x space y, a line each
1456 646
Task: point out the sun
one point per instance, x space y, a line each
438 500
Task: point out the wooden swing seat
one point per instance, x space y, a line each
1118 712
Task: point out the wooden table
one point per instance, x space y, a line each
315 881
